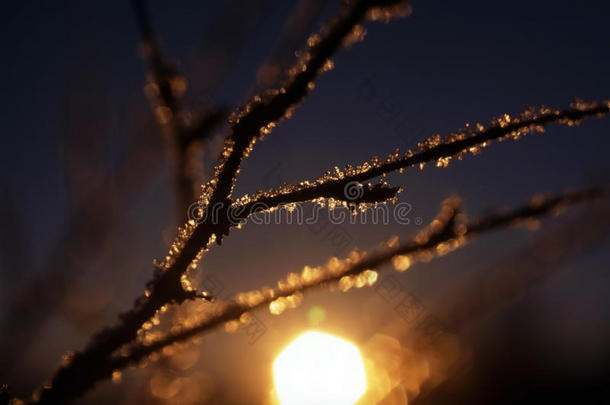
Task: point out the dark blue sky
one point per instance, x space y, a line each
447 64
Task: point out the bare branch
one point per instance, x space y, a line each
296 27
434 149
165 87
446 233
257 118
354 195
170 285
186 174
201 126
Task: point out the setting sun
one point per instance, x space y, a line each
317 369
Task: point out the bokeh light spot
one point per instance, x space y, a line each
316 315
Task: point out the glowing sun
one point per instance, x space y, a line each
319 369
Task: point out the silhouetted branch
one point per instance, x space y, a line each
257 118
298 24
83 369
434 149
511 277
165 88
260 116
191 136
448 231
544 257
201 127
98 200
224 40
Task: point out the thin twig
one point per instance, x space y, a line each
333 184
444 234
83 369
163 74
297 25
165 89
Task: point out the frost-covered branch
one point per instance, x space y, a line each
352 195
296 26
258 117
435 149
170 284
448 231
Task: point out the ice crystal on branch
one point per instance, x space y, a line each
259 116
438 149
447 232
253 121
139 336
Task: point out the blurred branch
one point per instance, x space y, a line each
171 285
202 126
83 369
500 285
98 203
448 231
298 24
548 254
223 42
167 84
186 156
165 88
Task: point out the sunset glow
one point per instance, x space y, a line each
318 368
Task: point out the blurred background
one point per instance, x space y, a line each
88 196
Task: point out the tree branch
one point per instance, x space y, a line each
447 232
263 112
170 285
434 149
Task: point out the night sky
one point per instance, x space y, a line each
71 67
